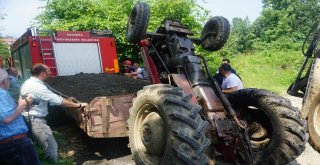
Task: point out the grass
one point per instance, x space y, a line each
274 71
61 140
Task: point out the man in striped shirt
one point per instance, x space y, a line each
15 146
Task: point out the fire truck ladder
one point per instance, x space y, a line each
46 47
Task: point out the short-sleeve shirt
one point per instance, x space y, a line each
8 108
232 81
39 92
139 71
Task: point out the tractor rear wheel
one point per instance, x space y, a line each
219 28
276 129
166 128
138 22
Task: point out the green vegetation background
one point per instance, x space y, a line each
266 52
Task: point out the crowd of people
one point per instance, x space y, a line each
134 71
15 122
227 78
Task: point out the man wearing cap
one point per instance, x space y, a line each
15 146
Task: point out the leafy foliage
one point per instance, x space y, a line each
4 50
113 15
276 35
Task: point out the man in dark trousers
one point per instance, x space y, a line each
15 146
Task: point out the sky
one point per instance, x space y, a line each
21 13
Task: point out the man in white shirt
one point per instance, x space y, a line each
40 92
231 82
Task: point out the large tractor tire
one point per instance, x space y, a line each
276 129
311 105
138 22
166 128
220 29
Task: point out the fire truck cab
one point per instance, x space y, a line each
66 52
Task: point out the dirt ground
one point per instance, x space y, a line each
88 151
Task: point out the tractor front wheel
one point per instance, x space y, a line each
276 129
138 22
166 128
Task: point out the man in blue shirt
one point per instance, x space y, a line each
15 146
15 83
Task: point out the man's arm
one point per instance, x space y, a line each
55 99
230 90
70 104
22 104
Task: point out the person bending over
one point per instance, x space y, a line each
40 92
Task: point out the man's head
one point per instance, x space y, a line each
225 69
225 61
127 63
40 71
12 71
4 81
135 65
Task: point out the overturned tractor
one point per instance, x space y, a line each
184 118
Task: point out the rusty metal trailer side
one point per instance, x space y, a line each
105 117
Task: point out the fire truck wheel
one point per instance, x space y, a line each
138 22
166 128
219 28
276 129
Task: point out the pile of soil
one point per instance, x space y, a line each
85 87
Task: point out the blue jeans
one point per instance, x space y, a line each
18 152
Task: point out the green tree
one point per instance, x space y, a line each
4 50
287 18
241 35
113 15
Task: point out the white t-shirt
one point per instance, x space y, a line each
139 71
232 81
40 92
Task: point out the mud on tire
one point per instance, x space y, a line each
166 128
137 22
281 135
220 29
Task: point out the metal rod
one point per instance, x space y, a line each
60 93
164 65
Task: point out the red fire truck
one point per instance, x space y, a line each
66 52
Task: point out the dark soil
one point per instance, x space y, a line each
85 87
76 145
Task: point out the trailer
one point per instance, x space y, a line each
83 65
109 97
66 52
